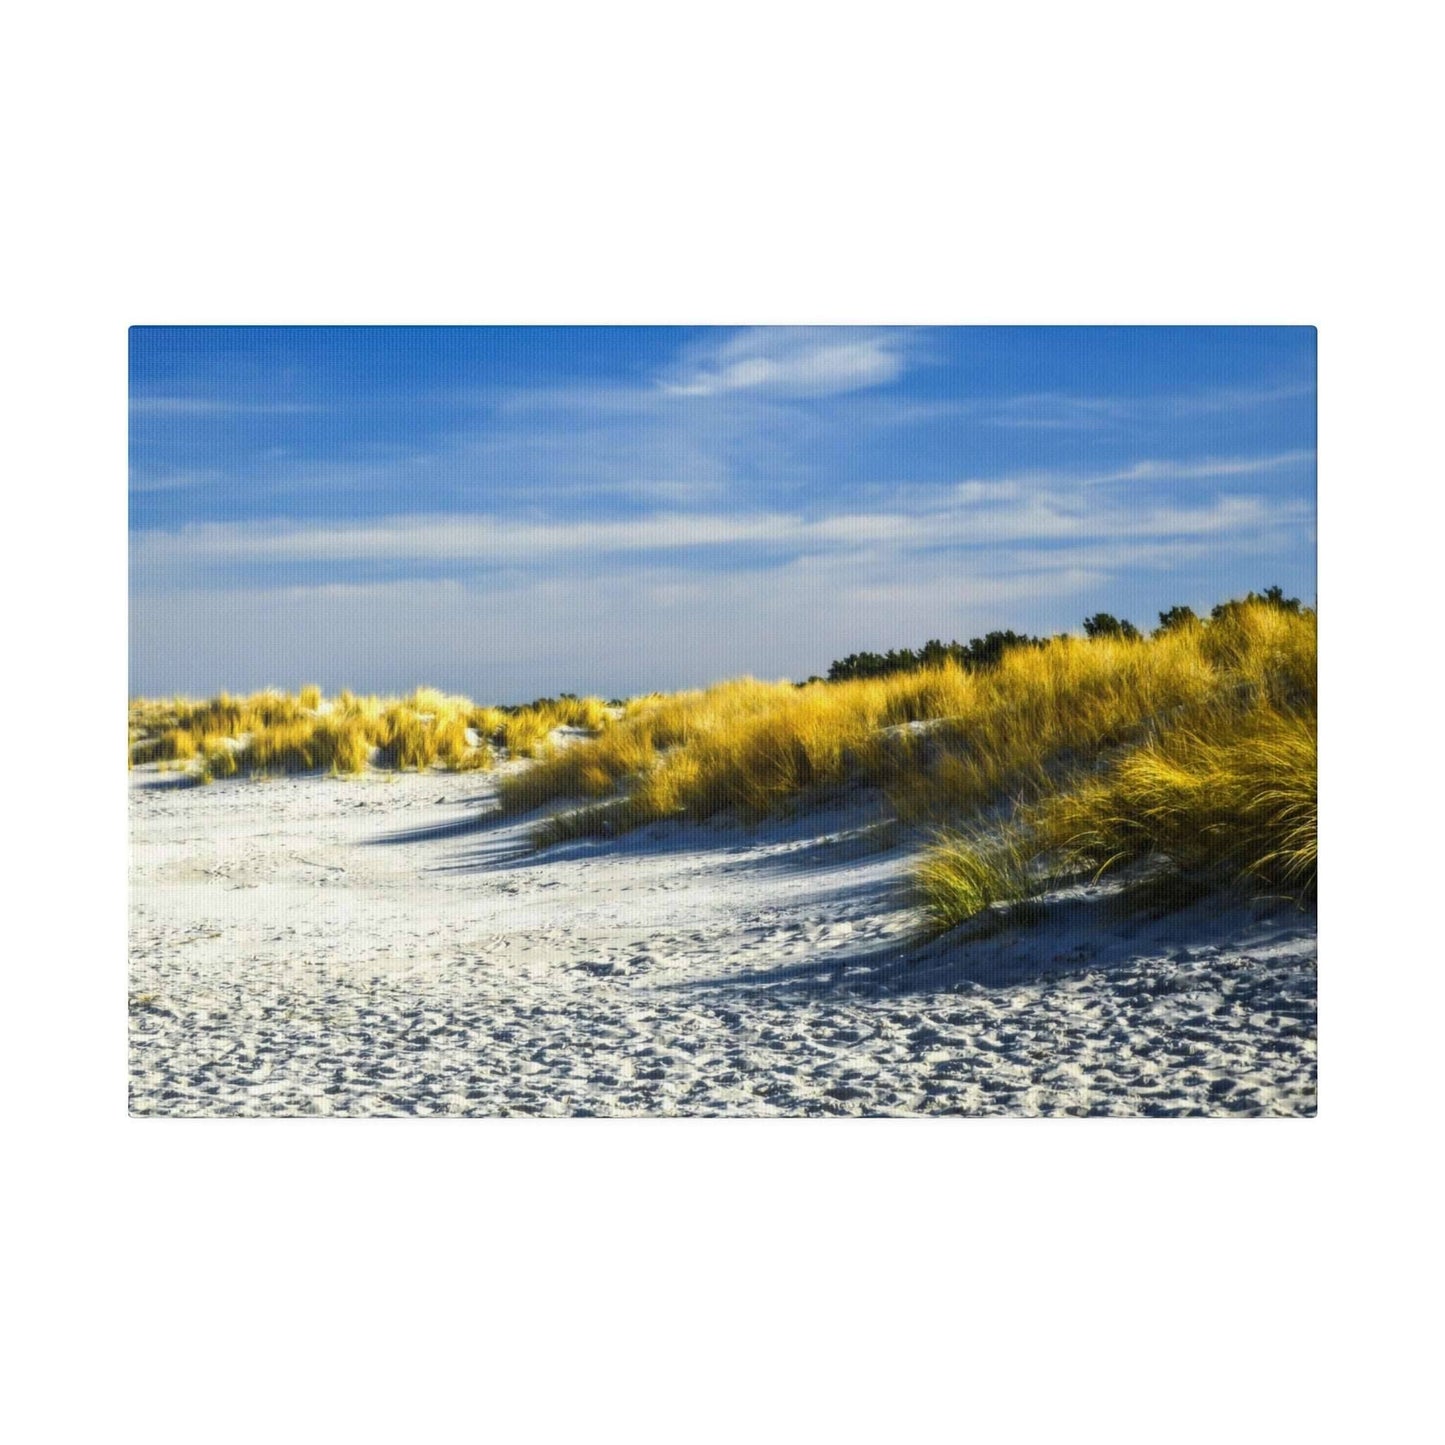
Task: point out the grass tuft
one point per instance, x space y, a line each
1240 800
274 732
964 875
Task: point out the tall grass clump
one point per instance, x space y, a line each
487 723
343 744
1218 786
963 876
273 732
283 747
173 745
525 732
1239 801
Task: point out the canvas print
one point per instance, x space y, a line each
729 721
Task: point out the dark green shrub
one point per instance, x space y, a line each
1105 624
1270 597
1175 617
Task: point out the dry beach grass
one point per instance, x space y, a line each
1195 748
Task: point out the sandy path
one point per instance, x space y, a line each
382 946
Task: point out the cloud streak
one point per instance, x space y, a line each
792 361
1153 470
975 518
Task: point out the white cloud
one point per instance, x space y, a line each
1176 471
1070 411
616 625
172 480
975 516
796 361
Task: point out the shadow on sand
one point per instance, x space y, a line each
1075 929
167 784
799 843
1049 938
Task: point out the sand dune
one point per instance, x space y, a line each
389 945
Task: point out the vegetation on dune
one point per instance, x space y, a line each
1191 749
974 656
963 876
1189 753
939 739
1239 800
1223 792
273 732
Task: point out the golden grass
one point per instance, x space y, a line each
488 722
274 732
172 745
1196 745
1221 787
753 746
1237 806
1240 799
525 733
962 876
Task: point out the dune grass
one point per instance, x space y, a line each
940 741
273 732
1220 792
1193 749
1184 812
964 876
1239 801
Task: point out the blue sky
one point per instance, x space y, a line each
514 511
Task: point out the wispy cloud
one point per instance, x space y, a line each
976 517
658 622
792 361
1076 411
170 479
1153 470
559 631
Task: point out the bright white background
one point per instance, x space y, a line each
1011 1280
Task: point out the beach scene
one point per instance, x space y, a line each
793 722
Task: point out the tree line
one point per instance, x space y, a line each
982 653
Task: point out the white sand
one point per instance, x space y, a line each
387 945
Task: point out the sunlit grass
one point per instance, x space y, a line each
525 733
1219 790
1194 749
1239 800
964 876
271 732
939 741
1195 746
